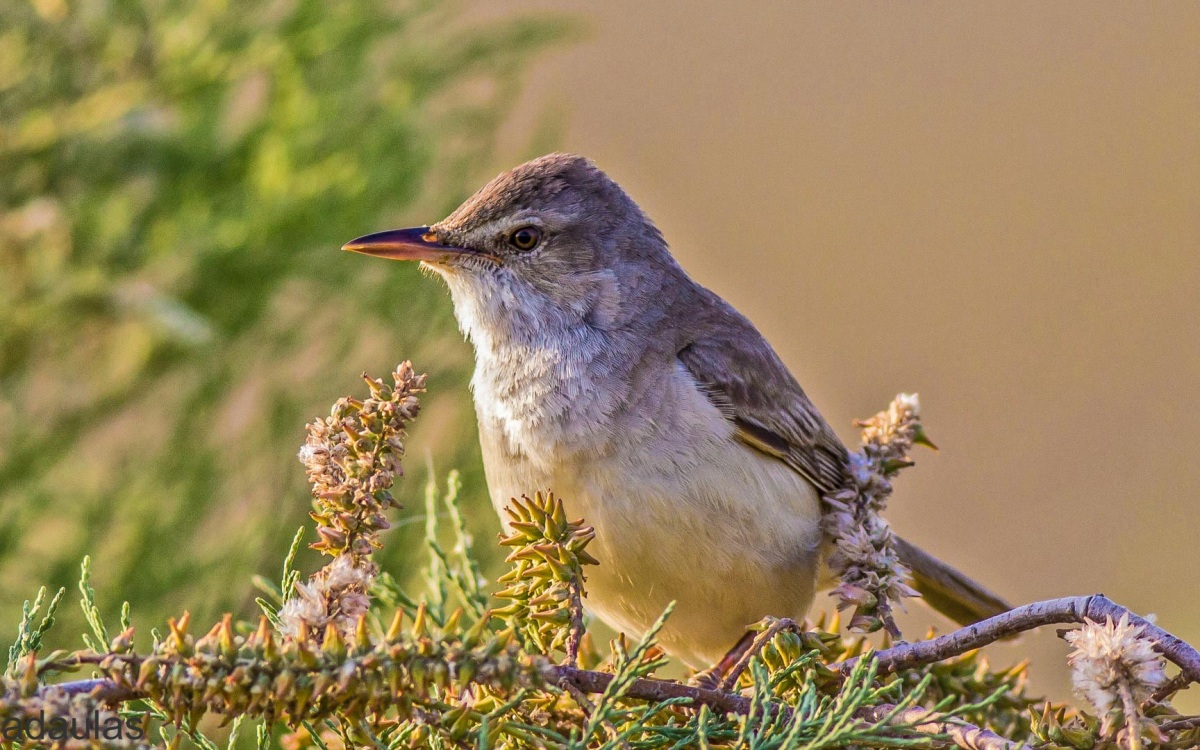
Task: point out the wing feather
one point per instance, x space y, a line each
740 373
746 380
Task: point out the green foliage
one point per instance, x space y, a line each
546 580
87 603
29 636
287 583
178 178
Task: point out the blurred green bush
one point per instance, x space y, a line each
175 182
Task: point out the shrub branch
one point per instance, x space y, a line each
1071 609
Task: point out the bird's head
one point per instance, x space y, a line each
553 237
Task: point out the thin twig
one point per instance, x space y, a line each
580 697
1129 707
1180 725
650 689
777 627
1073 609
1169 688
961 733
575 607
588 709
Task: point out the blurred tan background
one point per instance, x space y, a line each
997 207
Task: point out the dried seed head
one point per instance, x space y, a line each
1110 658
873 579
352 458
336 594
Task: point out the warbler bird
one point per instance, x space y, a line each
656 410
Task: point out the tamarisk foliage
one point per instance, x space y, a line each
347 659
546 581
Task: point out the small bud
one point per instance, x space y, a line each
362 636
420 629
123 643
225 638
333 644
475 634
180 640
453 621
393 631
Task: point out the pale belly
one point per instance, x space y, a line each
727 533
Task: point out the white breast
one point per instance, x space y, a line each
683 511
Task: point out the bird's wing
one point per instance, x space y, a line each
746 380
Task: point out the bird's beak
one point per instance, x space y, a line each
418 243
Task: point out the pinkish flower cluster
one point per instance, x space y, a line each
864 556
352 457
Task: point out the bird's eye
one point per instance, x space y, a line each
525 238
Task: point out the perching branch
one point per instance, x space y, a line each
650 689
731 680
105 691
1073 609
568 677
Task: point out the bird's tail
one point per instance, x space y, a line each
948 590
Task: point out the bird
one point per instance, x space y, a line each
653 408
